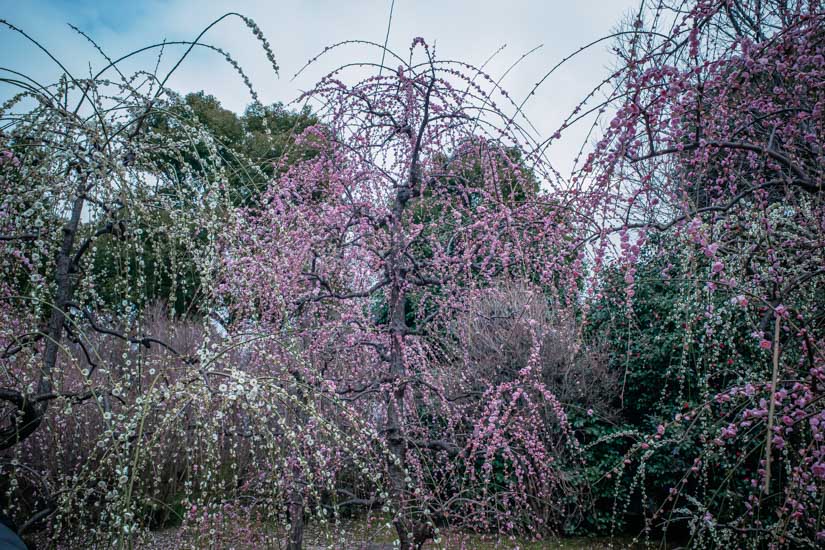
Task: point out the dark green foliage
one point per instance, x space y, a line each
647 347
251 146
667 348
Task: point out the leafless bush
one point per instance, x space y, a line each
506 324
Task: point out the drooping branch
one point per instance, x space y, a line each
801 179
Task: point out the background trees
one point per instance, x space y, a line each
241 151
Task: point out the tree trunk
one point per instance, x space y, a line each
63 294
296 519
295 497
395 413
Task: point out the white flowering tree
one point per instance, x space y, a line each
116 414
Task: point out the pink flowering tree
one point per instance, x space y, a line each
420 203
713 165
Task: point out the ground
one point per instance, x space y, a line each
361 535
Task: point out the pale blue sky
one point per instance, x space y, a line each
461 29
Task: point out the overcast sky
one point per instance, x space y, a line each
298 30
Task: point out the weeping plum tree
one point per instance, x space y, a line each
421 199
109 193
712 164
81 174
81 168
